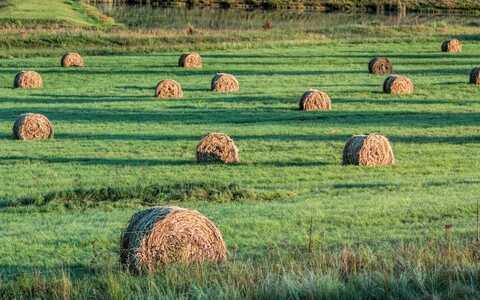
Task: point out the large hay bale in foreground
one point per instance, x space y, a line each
159 236
168 89
217 147
380 66
398 85
28 80
368 150
225 83
452 45
475 76
72 59
191 60
31 126
315 100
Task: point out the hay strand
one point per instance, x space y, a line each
475 76
398 85
217 147
315 100
191 60
159 236
28 80
168 88
31 126
368 150
452 45
225 83
380 66
72 59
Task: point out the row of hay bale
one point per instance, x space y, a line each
165 89
370 149
225 83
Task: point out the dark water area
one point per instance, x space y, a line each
146 16
464 7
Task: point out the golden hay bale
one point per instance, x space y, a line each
453 45
224 83
159 236
380 66
217 147
191 60
398 85
28 80
32 127
72 59
169 89
315 100
475 76
368 150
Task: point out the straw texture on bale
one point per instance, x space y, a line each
28 80
380 66
398 85
159 236
32 127
453 45
169 89
224 83
315 100
191 60
72 59
368 150
217 147
475 76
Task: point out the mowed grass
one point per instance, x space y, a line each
112 132
28 13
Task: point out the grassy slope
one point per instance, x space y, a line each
51 12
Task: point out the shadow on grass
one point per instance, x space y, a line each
75 99
287 138
99 161
342 119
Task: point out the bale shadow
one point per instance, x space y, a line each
100 161
286 138
258 117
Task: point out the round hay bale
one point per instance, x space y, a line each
398 85
217 147
475 76
169 89
380 66
315 100
31 126
28 80
225 83
72 59
368 150
191 60
159 236
452 45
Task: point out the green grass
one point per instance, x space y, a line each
112 132
31 13
289 208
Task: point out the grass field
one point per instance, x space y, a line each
68 13
301 206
